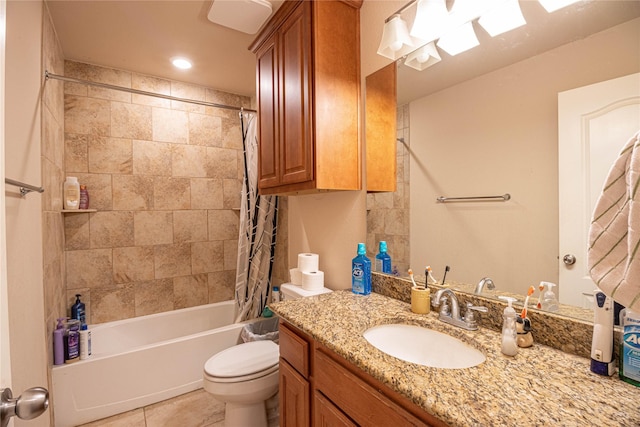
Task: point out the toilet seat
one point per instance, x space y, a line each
243 362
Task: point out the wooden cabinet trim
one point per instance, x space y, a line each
381 133
325 359
294 397
295 349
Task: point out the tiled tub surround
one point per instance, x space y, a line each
165 178
541 386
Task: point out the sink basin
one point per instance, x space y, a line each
423 346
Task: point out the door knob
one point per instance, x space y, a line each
30 404
569 259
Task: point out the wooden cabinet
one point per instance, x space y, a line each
320 388
295 389
308 90
381 124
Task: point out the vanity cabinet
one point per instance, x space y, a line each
320 388
308 87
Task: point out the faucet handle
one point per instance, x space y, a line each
469 317
481 308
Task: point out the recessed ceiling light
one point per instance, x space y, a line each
182 63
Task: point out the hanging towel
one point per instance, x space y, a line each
614 236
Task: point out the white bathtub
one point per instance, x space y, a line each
143 360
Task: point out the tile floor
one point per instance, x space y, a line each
195 409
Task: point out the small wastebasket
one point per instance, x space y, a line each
262 330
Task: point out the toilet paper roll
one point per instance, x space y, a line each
308 262
312 280
295 276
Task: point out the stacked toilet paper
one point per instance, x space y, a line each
307 274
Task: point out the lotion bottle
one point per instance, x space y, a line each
58 342
85 342
71 190
509 342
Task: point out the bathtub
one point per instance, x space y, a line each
140 361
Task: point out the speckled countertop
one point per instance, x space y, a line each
540 386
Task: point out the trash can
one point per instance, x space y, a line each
262 330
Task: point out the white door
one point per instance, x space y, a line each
594 123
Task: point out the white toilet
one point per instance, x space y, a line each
243 377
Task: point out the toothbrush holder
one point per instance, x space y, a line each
420 300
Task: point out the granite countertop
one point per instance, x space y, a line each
540 386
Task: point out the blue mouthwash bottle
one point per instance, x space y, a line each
630 347
361 272
383 260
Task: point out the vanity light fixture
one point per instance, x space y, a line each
458 40
432 19
182 63
504 17
451 31
396 41
424 57
553 5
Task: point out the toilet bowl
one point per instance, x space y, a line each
243 377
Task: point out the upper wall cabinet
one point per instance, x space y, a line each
381 125
308 79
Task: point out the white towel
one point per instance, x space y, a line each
614 236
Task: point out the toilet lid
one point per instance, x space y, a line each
243 359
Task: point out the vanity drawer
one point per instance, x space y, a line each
361 398
294 348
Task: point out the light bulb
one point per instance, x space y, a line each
423 57
395 46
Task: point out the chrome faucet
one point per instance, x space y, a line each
452 316
485 281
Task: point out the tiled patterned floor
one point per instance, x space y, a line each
195 409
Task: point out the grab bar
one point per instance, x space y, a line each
502 198
24 188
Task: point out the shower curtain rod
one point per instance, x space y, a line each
48 75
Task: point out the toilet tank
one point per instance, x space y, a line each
290 291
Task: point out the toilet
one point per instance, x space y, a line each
244 377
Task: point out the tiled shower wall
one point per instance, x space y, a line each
165 179
52 163
388 213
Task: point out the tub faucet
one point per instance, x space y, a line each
452 316
485 281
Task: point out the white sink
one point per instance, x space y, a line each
423 346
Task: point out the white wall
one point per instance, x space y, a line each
24 215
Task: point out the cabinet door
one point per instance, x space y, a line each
294 398
267 81
326 414
296 125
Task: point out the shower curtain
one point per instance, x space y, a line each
257 236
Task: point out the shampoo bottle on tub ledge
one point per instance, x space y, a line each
361 272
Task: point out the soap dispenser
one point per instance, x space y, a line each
509 343
549 299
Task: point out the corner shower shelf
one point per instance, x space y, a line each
65 211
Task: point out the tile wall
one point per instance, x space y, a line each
388 213
165 180
52 164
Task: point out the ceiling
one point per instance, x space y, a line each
142 36
543 31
